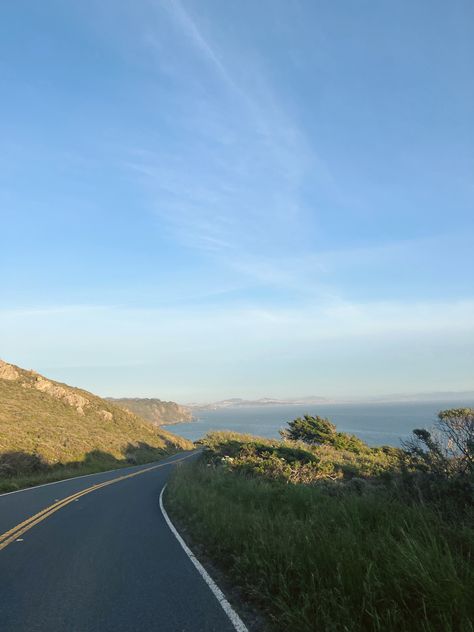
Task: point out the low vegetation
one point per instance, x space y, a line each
50 431
323 532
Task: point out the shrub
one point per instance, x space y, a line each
18 463
295 461
457 426
320 431
449 452
312 430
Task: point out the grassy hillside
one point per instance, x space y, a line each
334 535
47 427
154 410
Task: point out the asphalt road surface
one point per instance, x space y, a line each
106 561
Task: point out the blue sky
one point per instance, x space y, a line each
203 199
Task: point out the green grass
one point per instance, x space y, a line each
94 462
313 560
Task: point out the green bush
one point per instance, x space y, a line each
449 452
320 431
439 465
16 463
296 461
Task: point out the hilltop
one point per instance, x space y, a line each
51 424
157 411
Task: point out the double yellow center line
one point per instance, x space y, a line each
13 534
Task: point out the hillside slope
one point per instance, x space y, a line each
62 424
154 410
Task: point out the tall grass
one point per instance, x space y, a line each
95 461
316 561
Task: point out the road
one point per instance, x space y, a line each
105 561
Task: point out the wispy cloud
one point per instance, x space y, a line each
192 32
233 181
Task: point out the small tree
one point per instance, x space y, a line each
425 452
320 431
312 430
457 426
451 449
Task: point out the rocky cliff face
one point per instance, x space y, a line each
155 410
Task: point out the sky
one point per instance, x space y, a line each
202 199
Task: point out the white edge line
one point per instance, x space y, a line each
217 592
75 478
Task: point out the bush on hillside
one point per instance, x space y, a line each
451 450
439 465
18 463
320 431
297 462
312 430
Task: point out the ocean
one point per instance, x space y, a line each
377 424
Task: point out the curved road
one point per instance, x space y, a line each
104 562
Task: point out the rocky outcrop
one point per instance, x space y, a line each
31 379
59 392
105 414
8 371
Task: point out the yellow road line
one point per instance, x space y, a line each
10 536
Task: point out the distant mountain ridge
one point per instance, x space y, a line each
157 411
439 396
237 402
61 423
314 400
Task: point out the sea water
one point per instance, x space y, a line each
377 424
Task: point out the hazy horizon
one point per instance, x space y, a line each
201 199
